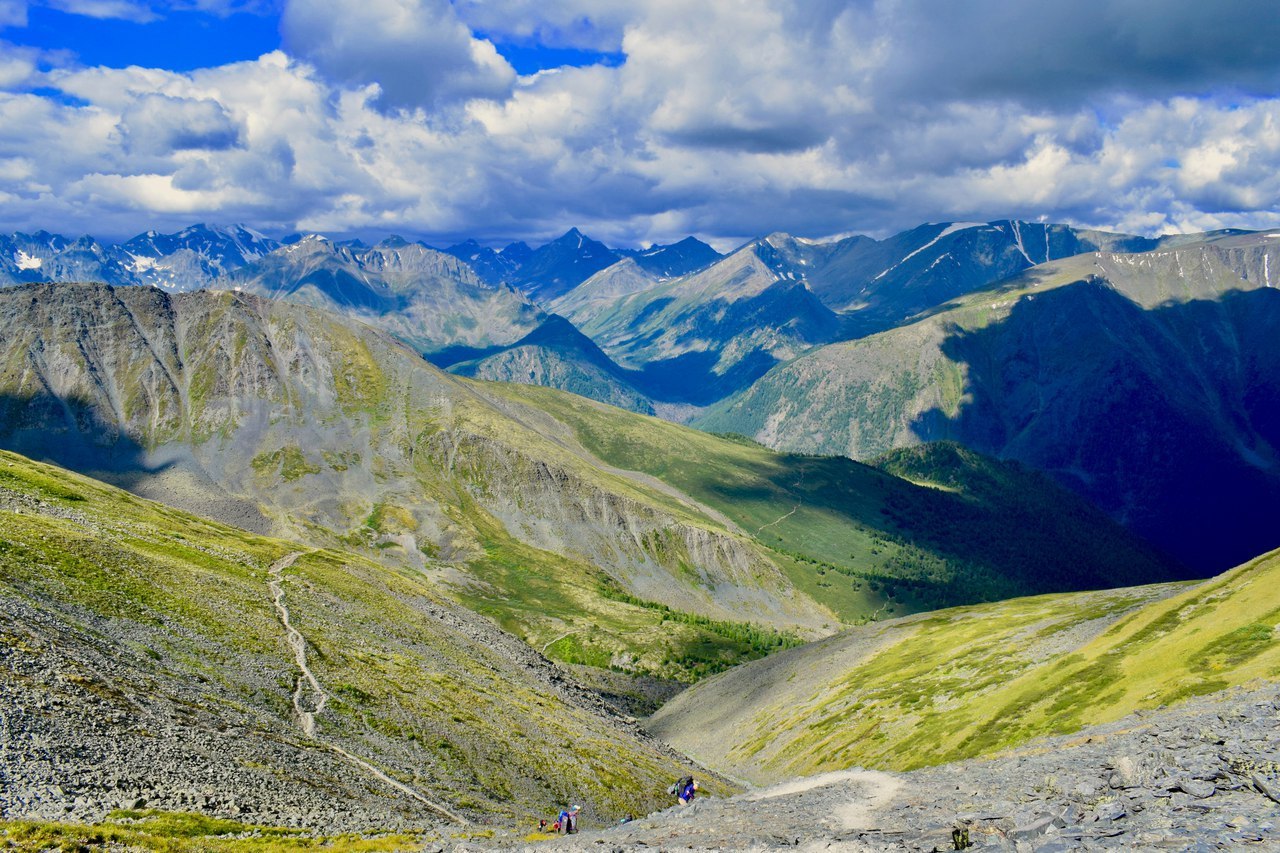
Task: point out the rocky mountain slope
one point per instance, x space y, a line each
154 659
557 355
953 526
279 417
1147 382
700 337
955 684
602 538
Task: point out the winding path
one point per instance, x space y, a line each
307 707
558 639
309 697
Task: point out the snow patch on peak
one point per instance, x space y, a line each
959 226
142 262
27 262
950 229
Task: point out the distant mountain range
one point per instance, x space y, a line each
1030 341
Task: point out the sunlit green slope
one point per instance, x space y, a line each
931 527
969 681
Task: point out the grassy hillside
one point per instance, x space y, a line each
970 681
868 543
158 628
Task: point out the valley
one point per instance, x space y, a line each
422 552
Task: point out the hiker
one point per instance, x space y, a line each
567 822
685 789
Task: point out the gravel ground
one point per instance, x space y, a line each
1201 776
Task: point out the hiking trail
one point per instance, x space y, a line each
307 718
558 639
799 483
309 702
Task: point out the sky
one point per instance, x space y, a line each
638 121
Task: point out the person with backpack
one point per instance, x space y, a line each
684 790
567 822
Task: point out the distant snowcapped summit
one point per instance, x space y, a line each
676 259
189 259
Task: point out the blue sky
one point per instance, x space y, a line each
179 41
638 121
184 40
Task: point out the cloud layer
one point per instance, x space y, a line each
726 120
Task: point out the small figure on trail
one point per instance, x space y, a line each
684 790
627 819
542 825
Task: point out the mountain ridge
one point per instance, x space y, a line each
526 499
1064 369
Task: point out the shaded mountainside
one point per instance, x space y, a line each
958 527
1146 382
602 537
426 298
493 266
561 265
687 256
143 663
949 685
879 284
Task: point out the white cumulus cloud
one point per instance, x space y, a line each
416 51
727 120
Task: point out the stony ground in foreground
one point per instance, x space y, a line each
1200 776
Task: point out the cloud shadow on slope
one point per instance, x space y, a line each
1168 419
